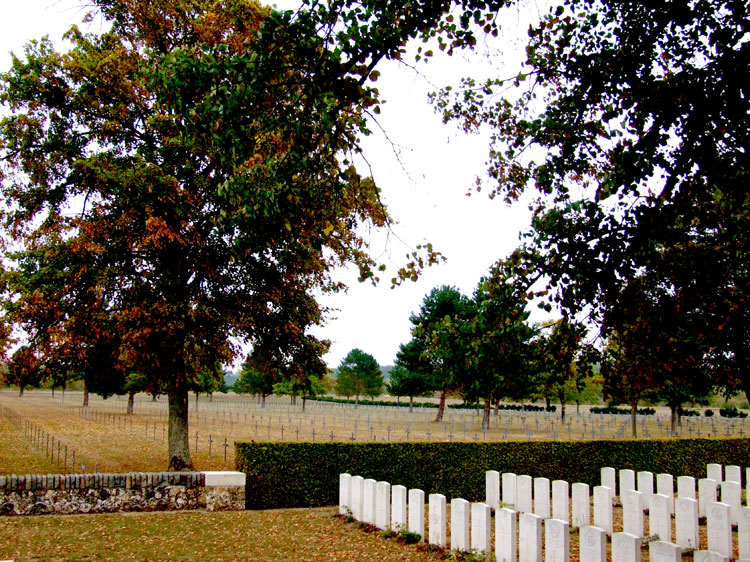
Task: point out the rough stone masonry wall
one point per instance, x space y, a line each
37 494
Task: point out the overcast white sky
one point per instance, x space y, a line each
425 191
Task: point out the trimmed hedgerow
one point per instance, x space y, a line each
306 474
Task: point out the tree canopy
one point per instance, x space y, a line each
178 184
359 375
631 121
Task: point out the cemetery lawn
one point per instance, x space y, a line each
273 535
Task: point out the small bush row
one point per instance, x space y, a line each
621 411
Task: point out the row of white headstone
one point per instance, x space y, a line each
518 534
528 495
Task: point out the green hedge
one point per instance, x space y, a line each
306 474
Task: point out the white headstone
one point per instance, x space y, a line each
719 528
626 548
731 494
593 544
368 509
686 487
663 551
460 537
733 473
659 519
709 556
645 487
382 505
398 508
743 533
632 514
747 485
358 497
665 487
609 477
506 538
603 508
561 500
627 480
686 523
416 512
581 504
556 541
542 500
437 520
707 488
524 498
509 490
714 472
345 491
529 538
492 485
481 528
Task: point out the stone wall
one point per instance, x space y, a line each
37 494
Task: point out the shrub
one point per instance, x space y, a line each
306 474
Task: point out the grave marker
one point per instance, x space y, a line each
603 508
557 541
416 512
345 490
743 533
731 494
686 487
382 505
368 504
357 497
437 520
733 473
506 540
509 489
560 500
686 523
627 480
665 487
609 478
632 514
714 472
481 528
706 495
626 548
581 501
659 519
460 538
662 551
719 528
398 508
492 486
542 497
645 487
529 538
524 501
709 556
593 544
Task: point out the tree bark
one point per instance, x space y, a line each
411 403
441 406
85 396
486 413
131 402
633 420
179 445
561 396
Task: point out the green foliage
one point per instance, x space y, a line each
359 375
306 474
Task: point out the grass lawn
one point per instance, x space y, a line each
290 534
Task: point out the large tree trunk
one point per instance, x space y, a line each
633 420
131 402
411 403
486 413
561 396
85 395
179 445
441 406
